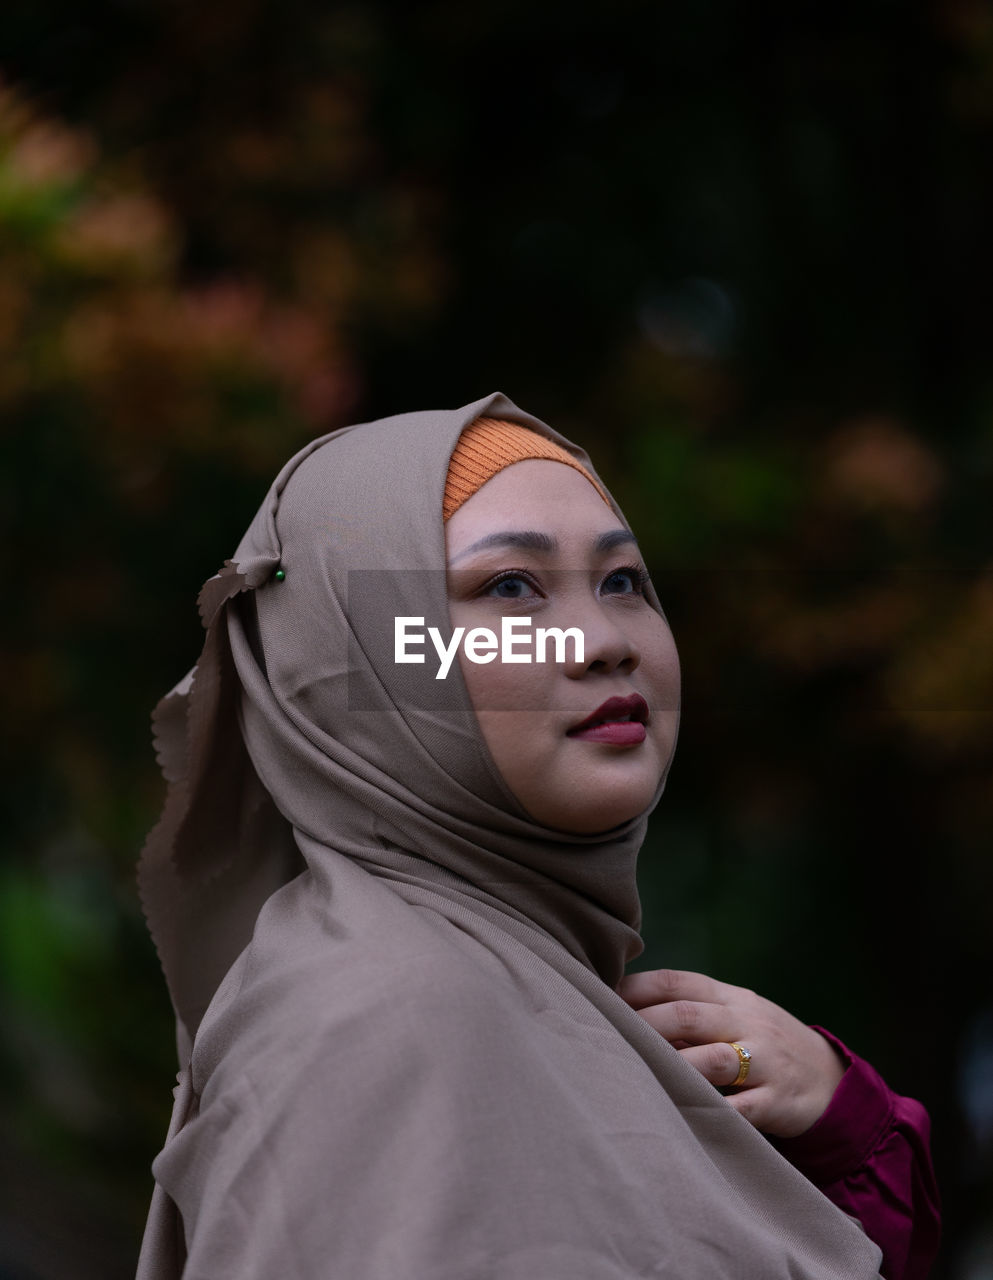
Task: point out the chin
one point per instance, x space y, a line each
593 815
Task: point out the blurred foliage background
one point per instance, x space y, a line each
741 253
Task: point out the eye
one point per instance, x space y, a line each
628 580
511 585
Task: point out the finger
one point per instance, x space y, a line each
692 1022
717 1062
660 986
757 1106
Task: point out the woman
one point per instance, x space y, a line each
394 907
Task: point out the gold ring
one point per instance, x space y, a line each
744 1062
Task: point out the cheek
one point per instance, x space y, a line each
509 701
661 663
502 686
661 673
516 740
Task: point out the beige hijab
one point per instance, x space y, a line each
401 1053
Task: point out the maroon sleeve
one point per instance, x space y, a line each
869 1153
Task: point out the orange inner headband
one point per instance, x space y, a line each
488 445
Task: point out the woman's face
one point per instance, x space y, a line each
537 541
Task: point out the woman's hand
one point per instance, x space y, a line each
793 1071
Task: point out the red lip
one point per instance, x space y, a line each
613 711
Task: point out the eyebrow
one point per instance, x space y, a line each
532 540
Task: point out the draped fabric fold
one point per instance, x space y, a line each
389 980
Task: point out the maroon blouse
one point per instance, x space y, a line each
869 1153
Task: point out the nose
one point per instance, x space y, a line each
608 647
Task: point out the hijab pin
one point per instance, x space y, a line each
280 575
